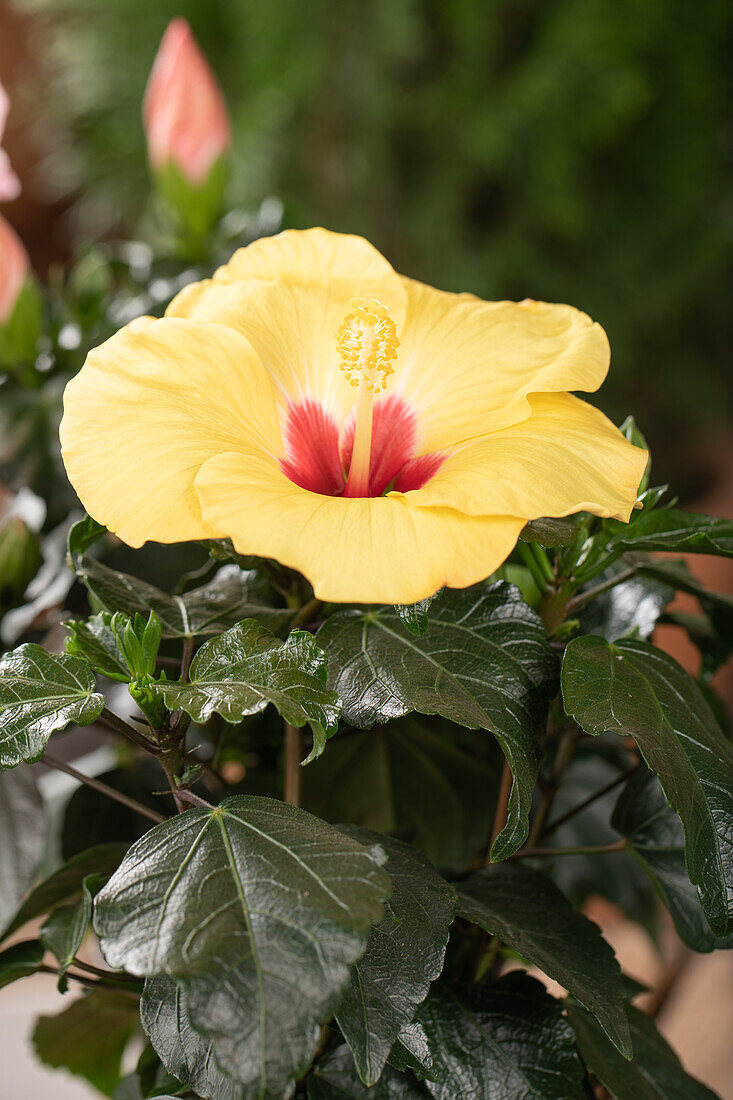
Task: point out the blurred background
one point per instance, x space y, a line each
578 151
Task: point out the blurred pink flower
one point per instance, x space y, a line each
9 182
185 115
14 266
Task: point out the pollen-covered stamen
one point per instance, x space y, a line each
367 343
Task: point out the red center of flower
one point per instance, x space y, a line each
319 451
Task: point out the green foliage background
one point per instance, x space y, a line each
577 150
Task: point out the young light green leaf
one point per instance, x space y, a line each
20 960
404 955
231 595
484 663
246 668
635 690
511 1033
182 1050
654 1073
40 693
415 616
263 953
528 912
89 1037
95 642
22 837
336 1078
423 783
82 536
656 840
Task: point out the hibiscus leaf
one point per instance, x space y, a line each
404 955
424 784
656 840
20 960
411 1050
335 1078
511 1032
528 912
64 931
184 1053
484 663
634 689
263 953
232 594
66 883
40 693
22 837
654 1073
549 532
83 535
630 608
677 574
244 669
96 642
674 530
415 615
89 1038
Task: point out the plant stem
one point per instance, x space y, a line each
577 603
194 799
530 561
616 782
581 850
307 612
186 657
96 785
92 983
293 755
107 975
565 751
502 803
121 726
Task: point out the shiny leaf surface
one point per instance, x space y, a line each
263 950
95 641
404 955
676 531
635 690
22 837
40 693
336 1079
484 663
528 912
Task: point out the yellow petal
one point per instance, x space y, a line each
288 295
468 366
147 409
566 457
363 550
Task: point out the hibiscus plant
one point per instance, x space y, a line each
355 643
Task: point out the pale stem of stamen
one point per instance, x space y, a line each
357 484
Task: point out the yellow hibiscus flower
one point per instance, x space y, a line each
381 437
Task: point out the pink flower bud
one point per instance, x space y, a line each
9 182
14 266
185 115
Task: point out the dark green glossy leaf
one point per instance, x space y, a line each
635 690
184 1053
484 663
407 778
66 884
526 910
20 960
263 952
404 955
549 532
64 931
232 594
412 1051
656 839
415 616
631 431
22 837
678 575
95 642
502 1041
246 668
40 693
654 1073
676 531
632 608
89 1037
336 1078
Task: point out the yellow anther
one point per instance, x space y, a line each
367 343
